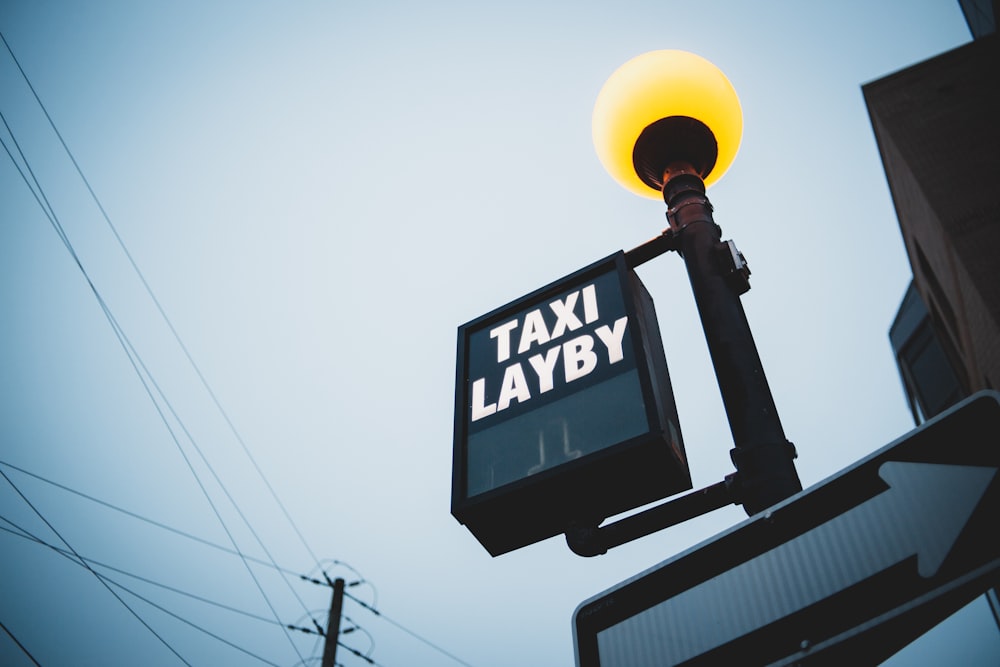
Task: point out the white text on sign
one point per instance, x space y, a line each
578 355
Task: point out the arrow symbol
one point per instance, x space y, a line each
922 513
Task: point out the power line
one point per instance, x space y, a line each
413 634
201 377
176 336
359 654
49 212
19 644
378 613
294 626
193 625
79 560
152 522
389 620
92 571
23 533
159 307
136 360
347 631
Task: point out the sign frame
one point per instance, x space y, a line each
614 479
790 609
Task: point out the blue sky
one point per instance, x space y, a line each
319 194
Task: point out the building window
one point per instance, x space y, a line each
929 378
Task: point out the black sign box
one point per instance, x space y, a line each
563 410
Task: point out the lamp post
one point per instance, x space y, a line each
668 124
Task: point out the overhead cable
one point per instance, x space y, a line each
21 532
136 360
159 307
19 644
175 334
92 570
152 522
79 560
413 634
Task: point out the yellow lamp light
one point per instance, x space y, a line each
663 107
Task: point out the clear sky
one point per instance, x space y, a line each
319 194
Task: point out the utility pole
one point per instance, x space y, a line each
333 624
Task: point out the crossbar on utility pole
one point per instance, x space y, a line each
333 624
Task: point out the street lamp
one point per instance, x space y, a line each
564 412
666 105
668 124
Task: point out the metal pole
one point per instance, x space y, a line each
333 624
762 455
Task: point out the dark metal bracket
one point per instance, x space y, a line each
732 264
651 249
591 540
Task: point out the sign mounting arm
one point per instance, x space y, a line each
587 540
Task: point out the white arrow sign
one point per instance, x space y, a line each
922 513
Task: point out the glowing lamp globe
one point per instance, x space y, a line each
666 107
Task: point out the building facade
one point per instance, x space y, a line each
937 133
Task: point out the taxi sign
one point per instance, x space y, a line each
563 410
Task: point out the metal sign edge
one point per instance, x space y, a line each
607 595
